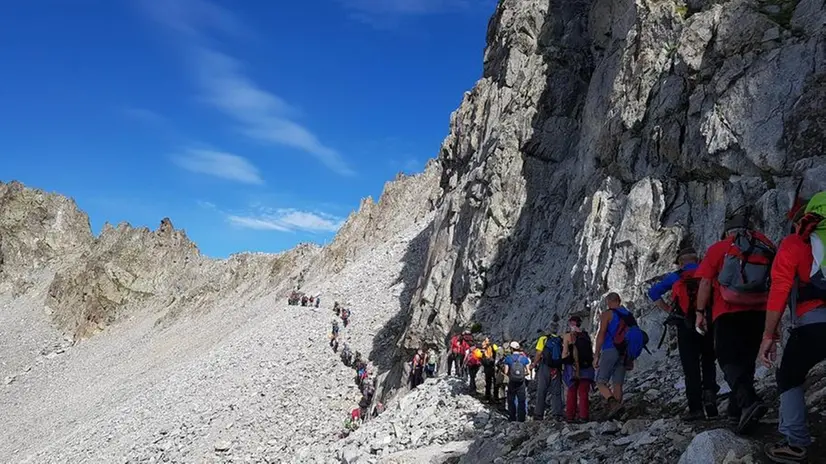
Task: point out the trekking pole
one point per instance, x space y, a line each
672 319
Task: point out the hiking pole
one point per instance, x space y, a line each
672 319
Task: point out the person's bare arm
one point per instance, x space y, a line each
566 340
703 298
604 320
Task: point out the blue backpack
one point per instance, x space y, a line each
629 339
552 352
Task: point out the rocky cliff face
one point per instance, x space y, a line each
602 134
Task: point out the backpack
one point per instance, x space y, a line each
552 352
585 350
744 277
431 358
630 339
517 371
475 358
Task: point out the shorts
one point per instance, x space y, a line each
611 367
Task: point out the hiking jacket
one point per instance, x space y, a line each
668 282
710 268
456 345
794 260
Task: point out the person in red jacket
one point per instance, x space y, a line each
737 311
456 358
797 279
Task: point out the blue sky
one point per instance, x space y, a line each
254 125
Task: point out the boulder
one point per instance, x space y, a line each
713 446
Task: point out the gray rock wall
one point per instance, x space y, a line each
602 134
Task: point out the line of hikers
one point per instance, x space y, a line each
364 378
567 359
298 298
726 305
342 314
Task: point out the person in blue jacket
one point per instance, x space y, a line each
696 350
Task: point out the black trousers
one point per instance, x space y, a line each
804 349
737 337
490 380
454 361
517 401
472 371
699 365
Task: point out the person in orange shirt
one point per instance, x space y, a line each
797 279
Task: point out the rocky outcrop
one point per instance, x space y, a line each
37 229
602 135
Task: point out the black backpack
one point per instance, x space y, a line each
585 350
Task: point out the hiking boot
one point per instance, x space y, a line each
614 408
710 404
751 417
692 416
785 453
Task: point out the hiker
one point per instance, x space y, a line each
548 360
619 342
797 277
696 350
517 368
431 362
489 352
417 369
346 355
345 316
317 301
334 336
578 371
304 300
734 274
473 361
456 356
337 308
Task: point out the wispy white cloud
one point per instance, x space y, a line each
387 13
287 220
144 115
222 165
259 114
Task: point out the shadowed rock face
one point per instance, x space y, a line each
604 133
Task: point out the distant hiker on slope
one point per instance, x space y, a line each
334 336
798 276
696 351
337 308
317 301
431 363
548 362
417 369
578 375
489 354
735 276
619 342
517 368
345 316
